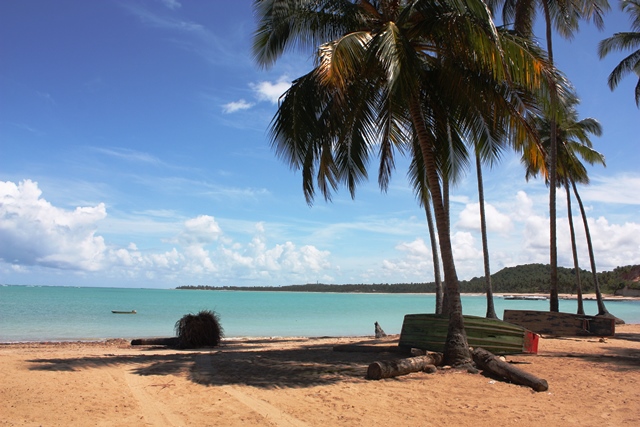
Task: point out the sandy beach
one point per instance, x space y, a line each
304 382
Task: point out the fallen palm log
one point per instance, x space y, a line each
171 342
395 368
497 368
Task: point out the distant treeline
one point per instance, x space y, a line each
529 278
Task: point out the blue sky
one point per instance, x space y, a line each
134 152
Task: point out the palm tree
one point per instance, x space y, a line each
574 249
421 187
386 72
563 15
574 142
491 311
623 41
437 277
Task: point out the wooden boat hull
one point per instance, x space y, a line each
562 324
429 332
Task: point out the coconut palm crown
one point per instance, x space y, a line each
624 41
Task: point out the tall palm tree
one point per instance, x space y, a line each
435 255
574 250
491 311
564 16
574 142
386 72
624 41
421 187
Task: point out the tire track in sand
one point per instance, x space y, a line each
272 414
154 413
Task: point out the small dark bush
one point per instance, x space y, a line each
199 330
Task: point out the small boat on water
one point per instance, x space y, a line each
562 324
429 332
123 312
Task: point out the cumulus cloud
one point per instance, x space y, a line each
414 263
615 244
199 231
465 247
264 91
469 219
34 232
269 91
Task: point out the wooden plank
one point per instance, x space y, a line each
562 324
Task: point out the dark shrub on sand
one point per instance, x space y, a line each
199 330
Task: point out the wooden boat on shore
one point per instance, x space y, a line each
562 324
123 312
429 332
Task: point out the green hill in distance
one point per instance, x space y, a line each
528 278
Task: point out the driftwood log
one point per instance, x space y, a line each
172 341
497 368
394 368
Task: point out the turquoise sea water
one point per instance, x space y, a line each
66 313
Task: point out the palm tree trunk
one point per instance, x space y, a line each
491 311
553 160
576 265
456 351
445 201
436 256
602 310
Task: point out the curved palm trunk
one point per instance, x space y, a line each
576 266
456 351
553 160
491 311
602 310
436 256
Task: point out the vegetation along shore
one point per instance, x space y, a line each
526 279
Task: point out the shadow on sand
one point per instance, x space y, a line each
248 362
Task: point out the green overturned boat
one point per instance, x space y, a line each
429 332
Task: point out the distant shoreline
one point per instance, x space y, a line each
523 295
585 297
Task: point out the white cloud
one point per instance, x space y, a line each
614 244
37 236
498 222
465 247
621 189
271 92
263 91
523 206
414 264
240 105
34 232
199 231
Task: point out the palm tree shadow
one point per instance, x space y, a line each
236 364
628 336
618 358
